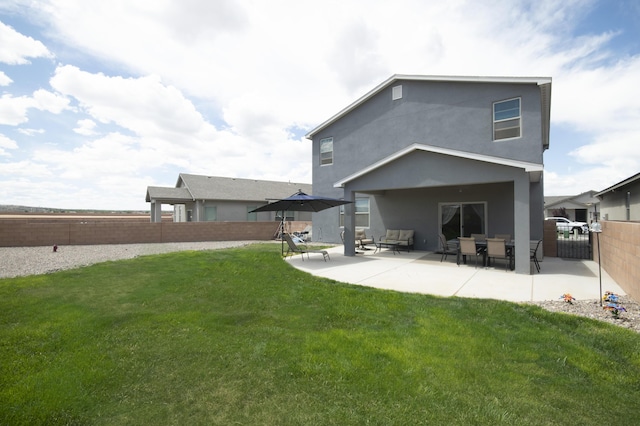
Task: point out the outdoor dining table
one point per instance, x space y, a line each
482 244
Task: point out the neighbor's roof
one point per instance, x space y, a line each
543 82
168 194
619 185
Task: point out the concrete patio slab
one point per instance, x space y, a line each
422 272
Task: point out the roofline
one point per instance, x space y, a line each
528 167
540 81
618 185
185 185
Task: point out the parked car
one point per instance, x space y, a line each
564 224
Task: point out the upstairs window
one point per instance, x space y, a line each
326 151
506 119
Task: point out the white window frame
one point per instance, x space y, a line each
327 159
506 121
360 213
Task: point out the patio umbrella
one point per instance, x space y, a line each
299 202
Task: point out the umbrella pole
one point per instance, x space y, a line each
282 234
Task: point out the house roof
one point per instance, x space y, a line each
581 200
190 187
535 170
164 193
619 185
543 82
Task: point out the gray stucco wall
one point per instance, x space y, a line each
613 204
406 193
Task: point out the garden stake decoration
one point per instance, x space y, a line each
613 304
568 298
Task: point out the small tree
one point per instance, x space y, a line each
561 212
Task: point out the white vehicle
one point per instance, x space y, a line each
564 224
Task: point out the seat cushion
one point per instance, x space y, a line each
392 234
405 235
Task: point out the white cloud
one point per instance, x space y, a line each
86 127
14 110
4 79
6 143
16 48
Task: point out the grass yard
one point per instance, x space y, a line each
239 337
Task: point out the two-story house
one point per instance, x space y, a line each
452 155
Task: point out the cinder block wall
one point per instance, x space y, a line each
20 233
619 254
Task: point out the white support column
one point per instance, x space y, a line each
349 224
522 224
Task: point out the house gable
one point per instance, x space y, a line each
534 170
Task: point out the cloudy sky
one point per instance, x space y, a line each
101 99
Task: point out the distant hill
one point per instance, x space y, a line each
8 208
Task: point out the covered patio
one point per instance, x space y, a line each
415 186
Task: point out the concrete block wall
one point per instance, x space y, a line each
20 233
619 254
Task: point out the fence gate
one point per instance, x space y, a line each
572 245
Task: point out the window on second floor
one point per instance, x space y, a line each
506 119
362 212
326 151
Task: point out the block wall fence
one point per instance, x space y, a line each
620 254
21 233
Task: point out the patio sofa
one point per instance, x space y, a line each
401 237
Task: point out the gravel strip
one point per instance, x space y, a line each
20 261
592 309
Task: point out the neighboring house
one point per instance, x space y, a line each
578 208
622 200
198 198
457 155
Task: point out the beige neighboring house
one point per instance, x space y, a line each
622 200
198 198
579 208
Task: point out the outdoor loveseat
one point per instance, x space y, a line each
400 237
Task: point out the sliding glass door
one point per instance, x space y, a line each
462 219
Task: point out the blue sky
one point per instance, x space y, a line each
101 99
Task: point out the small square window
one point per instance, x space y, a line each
507 119
326 151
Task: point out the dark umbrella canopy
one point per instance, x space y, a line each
300 202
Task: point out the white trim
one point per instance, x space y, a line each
528 167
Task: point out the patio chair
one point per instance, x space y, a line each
506 237
293 248
497 249
534 256
468 248
362 240
447 248
479 237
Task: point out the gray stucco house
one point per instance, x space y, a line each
622 200
581 207
199 198
457 155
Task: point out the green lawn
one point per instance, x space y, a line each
240 337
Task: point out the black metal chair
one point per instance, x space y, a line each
447 248
534 256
